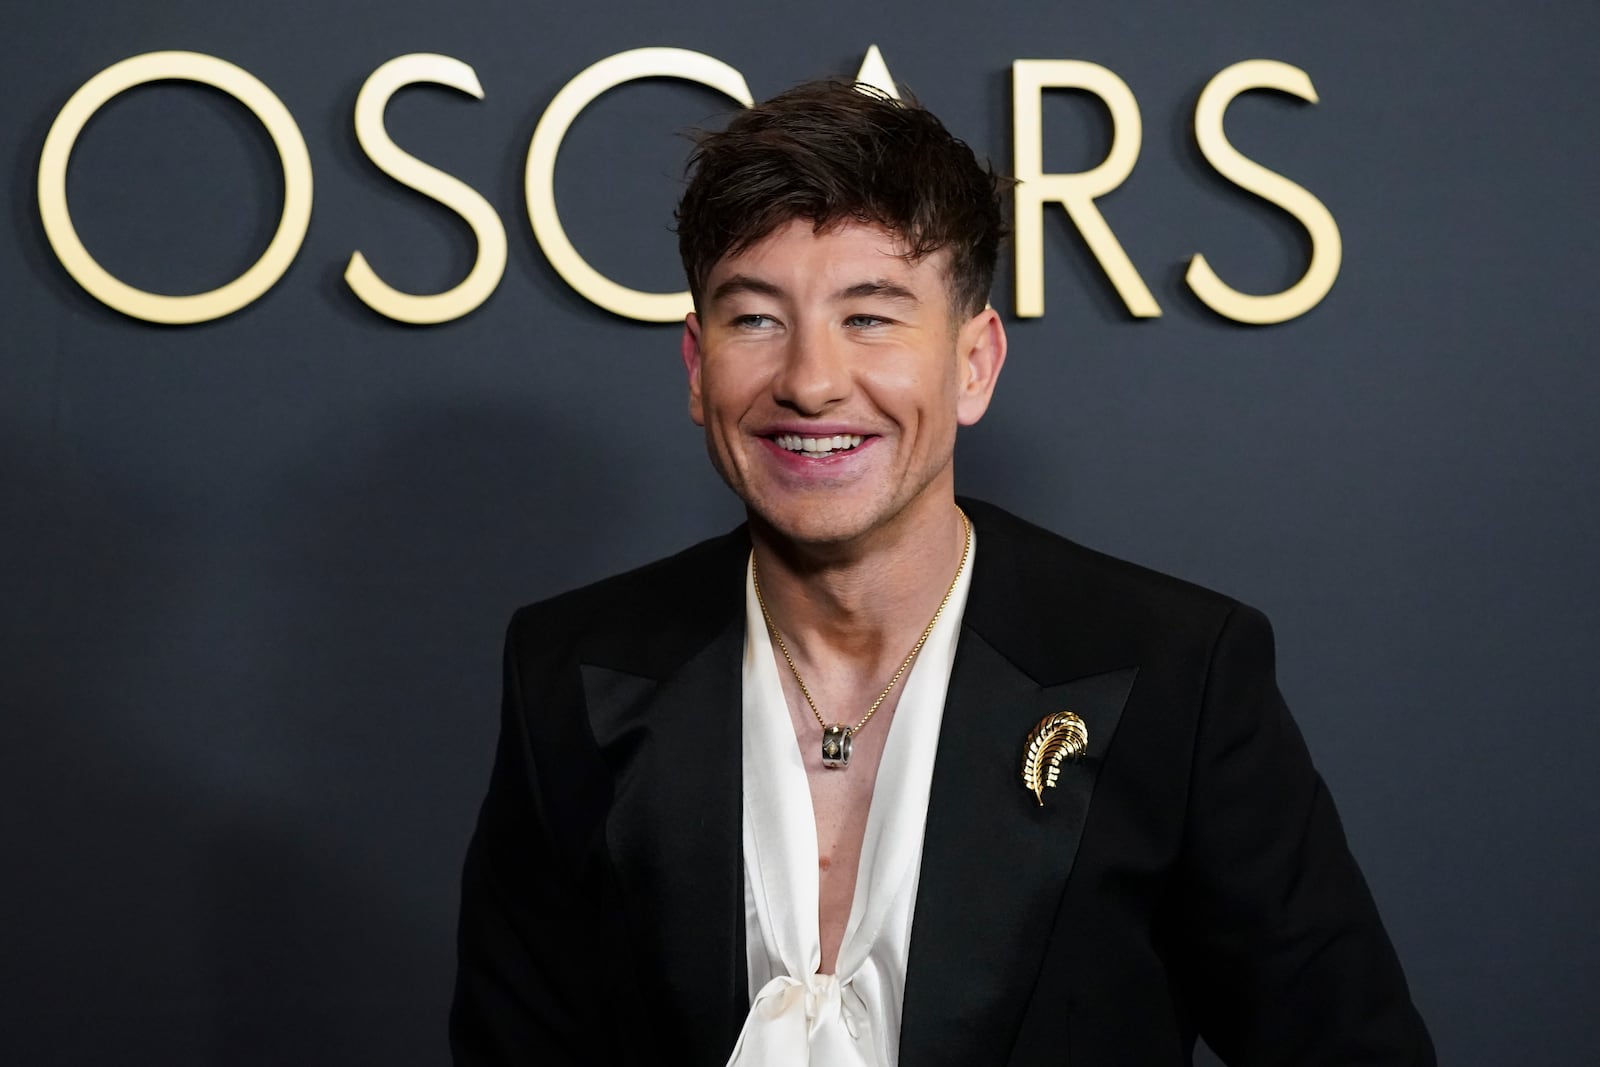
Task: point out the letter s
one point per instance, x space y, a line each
1326 247
431 182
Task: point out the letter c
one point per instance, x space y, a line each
539 183
181 66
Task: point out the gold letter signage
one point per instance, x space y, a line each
181 66
540 178
452 192
1077 193
1326 249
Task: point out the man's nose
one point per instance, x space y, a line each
815 374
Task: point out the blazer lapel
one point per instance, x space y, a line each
670 734
994 862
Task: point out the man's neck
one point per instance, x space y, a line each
865 602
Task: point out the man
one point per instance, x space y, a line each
878 778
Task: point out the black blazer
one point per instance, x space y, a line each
1188 876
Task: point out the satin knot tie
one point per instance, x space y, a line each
793 1023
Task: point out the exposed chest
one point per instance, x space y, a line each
841 800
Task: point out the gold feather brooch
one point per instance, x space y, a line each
1058 737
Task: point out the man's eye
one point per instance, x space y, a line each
755 322
860 321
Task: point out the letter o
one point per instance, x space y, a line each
540 176
180 66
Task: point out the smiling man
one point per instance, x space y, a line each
879 778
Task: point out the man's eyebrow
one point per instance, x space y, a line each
743 283
880 287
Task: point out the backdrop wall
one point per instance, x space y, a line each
254 572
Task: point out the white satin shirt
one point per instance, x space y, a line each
851 1018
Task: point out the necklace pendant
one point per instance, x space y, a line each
836 746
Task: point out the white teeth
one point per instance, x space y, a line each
793 442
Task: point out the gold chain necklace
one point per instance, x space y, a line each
836 738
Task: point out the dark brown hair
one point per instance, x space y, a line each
833 152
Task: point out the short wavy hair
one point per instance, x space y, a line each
833 152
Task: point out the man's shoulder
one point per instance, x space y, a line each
1034 553
658 612
1041 589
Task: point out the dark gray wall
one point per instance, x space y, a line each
255 572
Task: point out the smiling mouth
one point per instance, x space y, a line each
818 446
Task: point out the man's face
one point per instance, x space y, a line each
830 375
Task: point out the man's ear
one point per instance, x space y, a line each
691 363
981 349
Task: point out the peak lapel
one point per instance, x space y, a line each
994 862
669 732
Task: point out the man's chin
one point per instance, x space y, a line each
819 524
839 517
